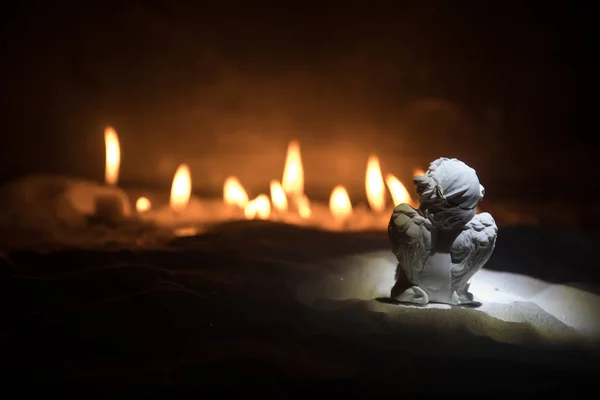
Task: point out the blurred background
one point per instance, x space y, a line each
223 86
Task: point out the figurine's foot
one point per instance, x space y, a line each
414 295
465 298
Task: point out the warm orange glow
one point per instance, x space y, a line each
234 193
278 197
293 173
181 189
339 203
186 231
142 204
259 208
418 172
113 156
250 210
374 185
397 190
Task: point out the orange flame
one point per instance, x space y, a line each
259 208
397 190
113 156
339 203
278 197
293 173
374 185
234 193
142 204
181 189
303 206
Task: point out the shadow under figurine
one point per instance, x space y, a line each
441 245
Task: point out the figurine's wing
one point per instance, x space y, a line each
410 237
472 249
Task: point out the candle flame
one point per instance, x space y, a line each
293 173
181 189
234 193
142 204
374 185
259 208
303 206
397 190
339 203
278 197
113 156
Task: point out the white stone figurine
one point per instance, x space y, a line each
441 245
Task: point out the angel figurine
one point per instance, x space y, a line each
441 245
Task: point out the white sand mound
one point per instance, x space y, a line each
45 202
40 209
516 308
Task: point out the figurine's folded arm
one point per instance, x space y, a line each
410 238
470 251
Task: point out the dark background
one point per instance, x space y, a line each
505 86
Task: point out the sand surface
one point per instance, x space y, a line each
272 309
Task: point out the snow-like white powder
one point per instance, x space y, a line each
513 306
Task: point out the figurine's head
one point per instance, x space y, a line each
450 190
